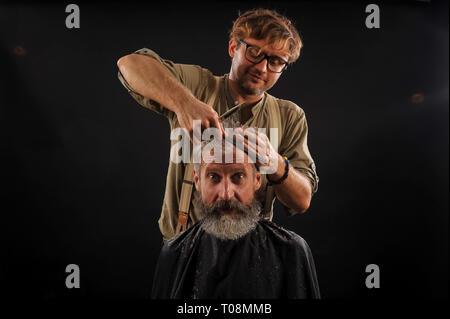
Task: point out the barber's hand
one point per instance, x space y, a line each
258 143
197 110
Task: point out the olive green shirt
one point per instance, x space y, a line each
201 82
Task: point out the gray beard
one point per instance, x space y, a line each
227 226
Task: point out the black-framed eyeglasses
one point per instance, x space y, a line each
255 55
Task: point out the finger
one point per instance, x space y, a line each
252 151
205 124
258 139
249 132
258 144
222 128
217 123
189 132
240 141
196 136
248 138
240 144
263 147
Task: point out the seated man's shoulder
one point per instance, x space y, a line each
183 240
283 236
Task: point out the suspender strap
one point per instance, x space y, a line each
188 180
185 198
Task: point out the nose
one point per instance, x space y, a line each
262 66
226 191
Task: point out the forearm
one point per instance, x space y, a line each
295 191
150 79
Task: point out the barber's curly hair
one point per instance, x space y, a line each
268 24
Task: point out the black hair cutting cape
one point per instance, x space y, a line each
269 262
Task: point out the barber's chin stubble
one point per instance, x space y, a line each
243 83
251 91
226 226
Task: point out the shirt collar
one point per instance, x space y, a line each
232 101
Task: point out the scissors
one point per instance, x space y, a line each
228 139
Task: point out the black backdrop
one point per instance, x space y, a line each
83 165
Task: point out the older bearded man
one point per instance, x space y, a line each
232 252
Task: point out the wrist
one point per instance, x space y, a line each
280 169
277 181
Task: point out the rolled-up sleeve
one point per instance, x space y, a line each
191 76
295 145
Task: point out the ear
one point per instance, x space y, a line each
232 47
258 180
196 181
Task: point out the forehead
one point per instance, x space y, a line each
226 168
228 155
277 49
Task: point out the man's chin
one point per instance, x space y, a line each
228 221
228 227
252 89
231 224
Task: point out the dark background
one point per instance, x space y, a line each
83 165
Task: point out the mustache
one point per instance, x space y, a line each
224 226
221 205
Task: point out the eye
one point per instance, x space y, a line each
238 177
255 51
214 177
276 61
